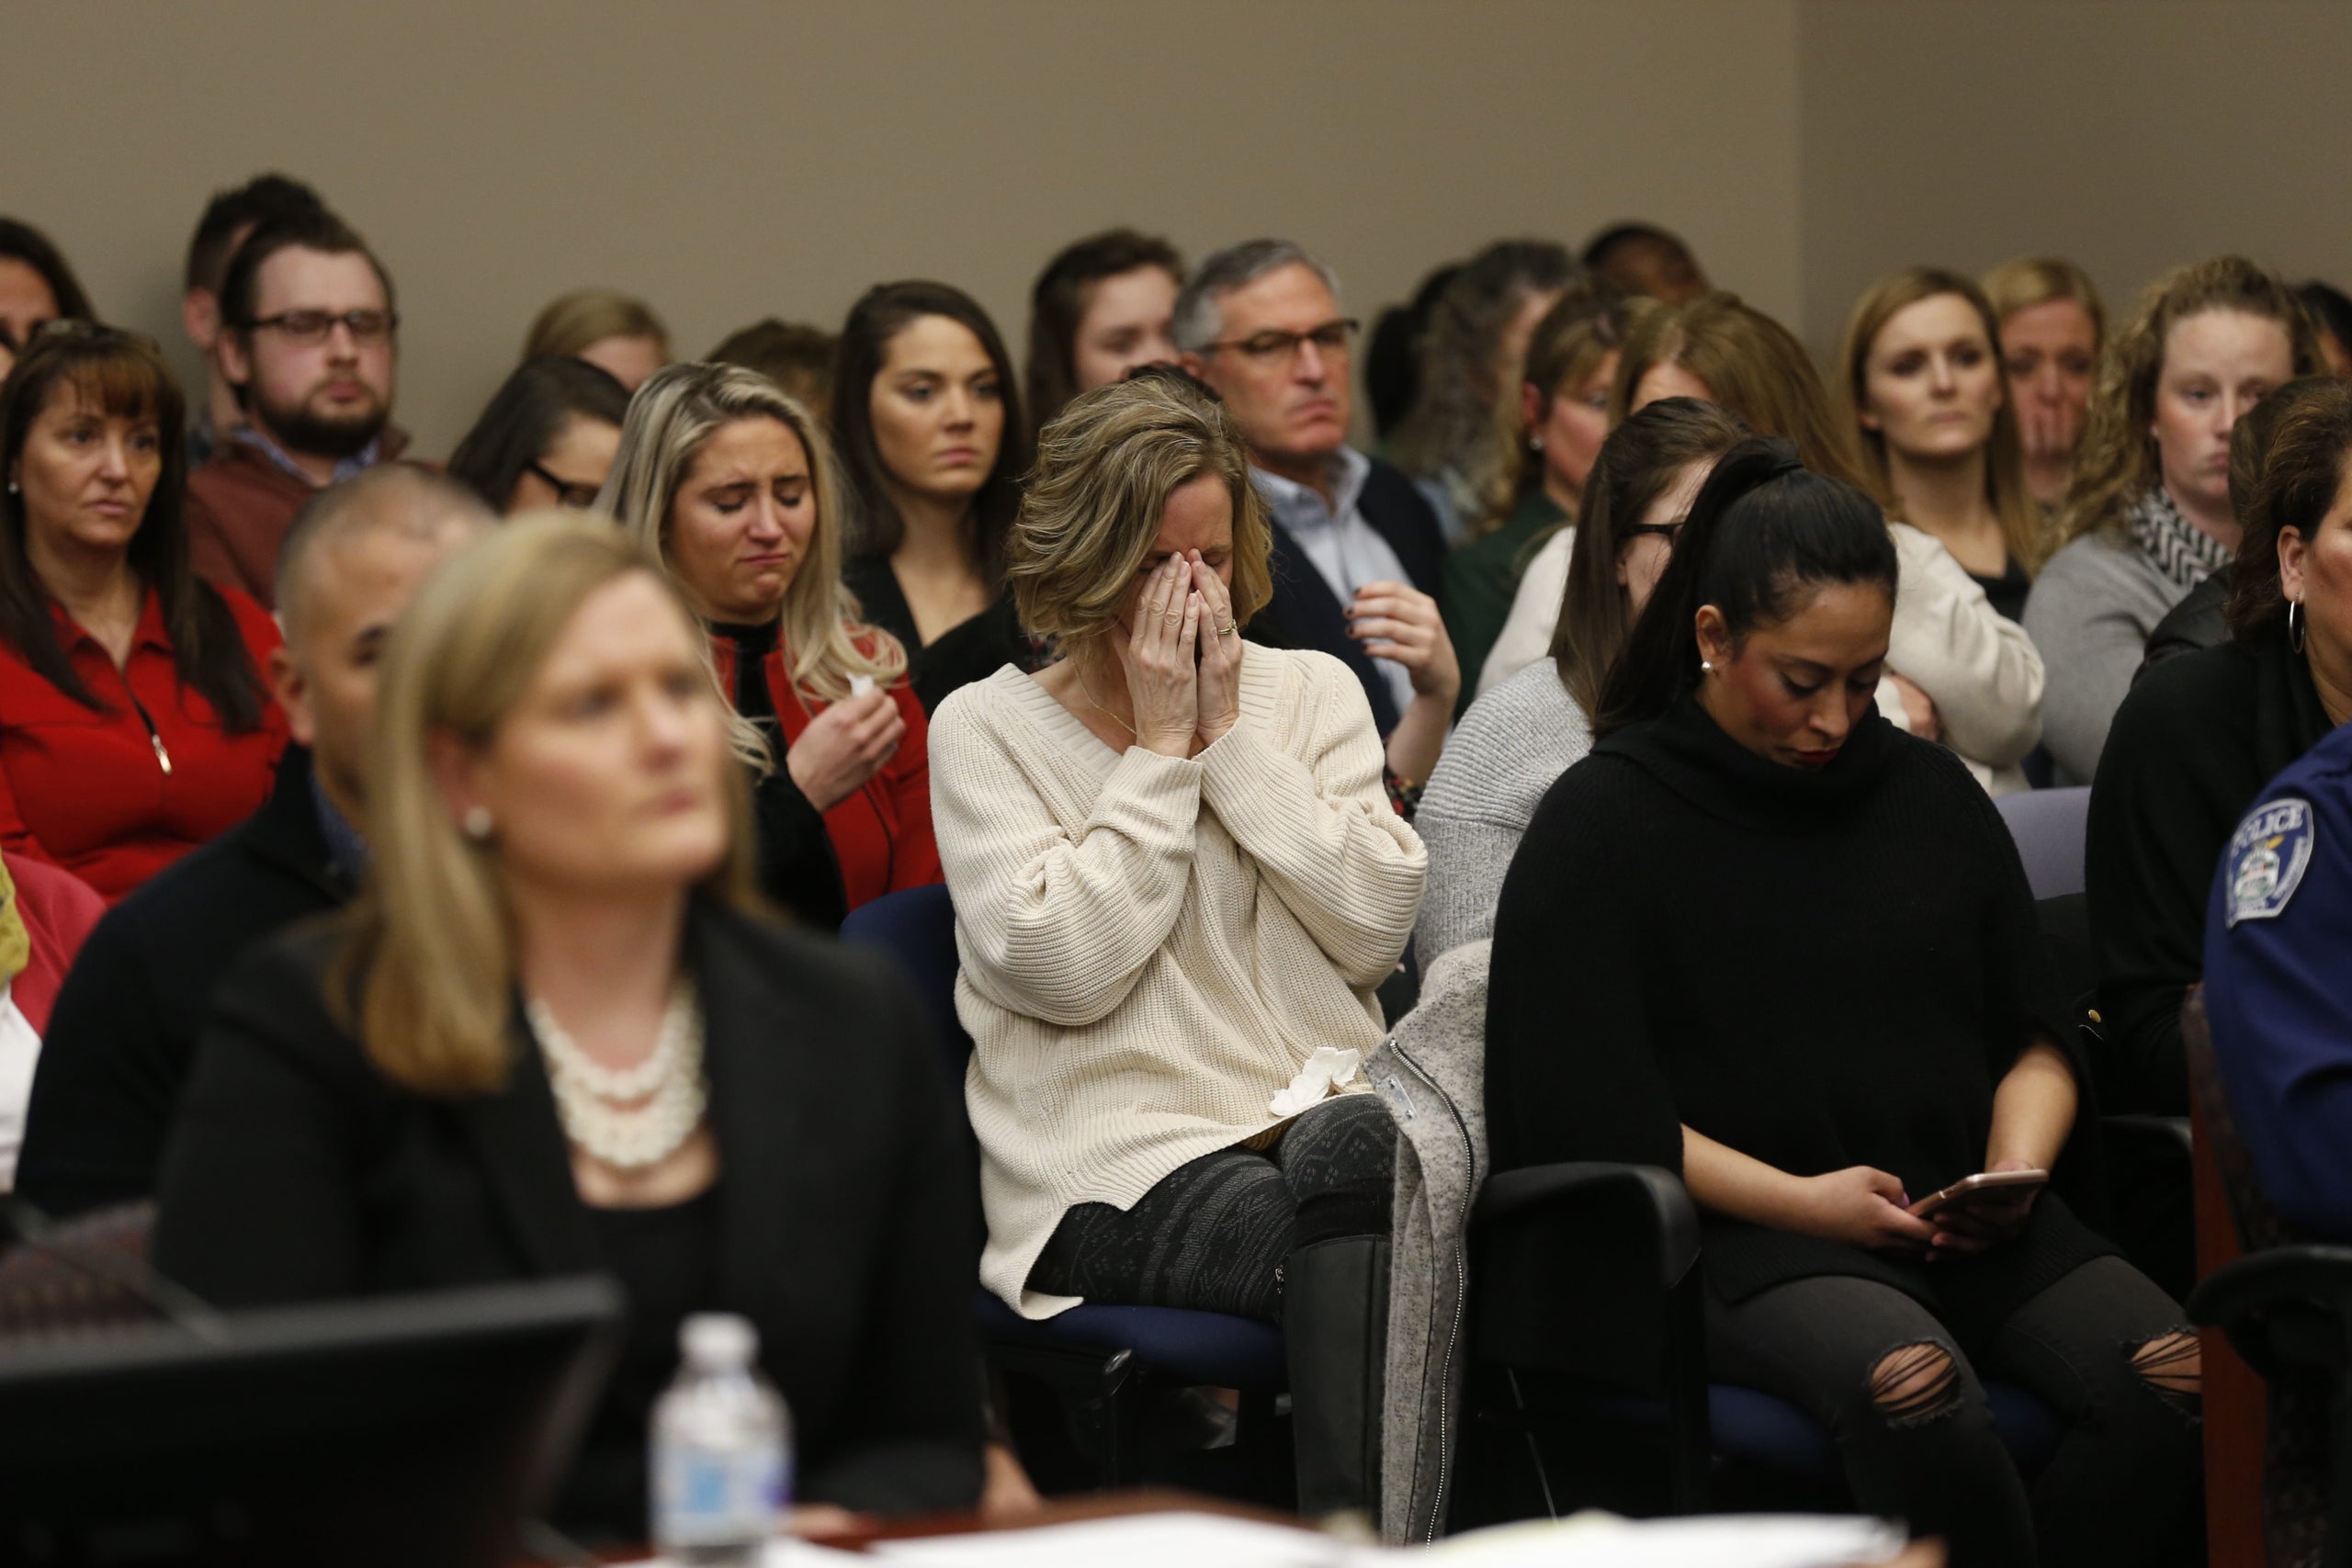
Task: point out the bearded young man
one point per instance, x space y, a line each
309 344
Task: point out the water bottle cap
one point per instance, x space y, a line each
719 1338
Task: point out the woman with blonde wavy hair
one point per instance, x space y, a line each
731 486
555 1037
2149 515
2051 325
1178 881
1919 380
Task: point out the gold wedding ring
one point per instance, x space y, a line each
1228 629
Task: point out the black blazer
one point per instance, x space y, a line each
123 1034
297 1172
1304 612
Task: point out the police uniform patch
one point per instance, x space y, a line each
2267 858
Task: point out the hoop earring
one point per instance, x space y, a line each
2295 624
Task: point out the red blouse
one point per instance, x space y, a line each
116 794
881 833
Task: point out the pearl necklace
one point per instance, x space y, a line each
635 1117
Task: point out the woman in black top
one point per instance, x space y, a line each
2203 732
1762 938
928 422
555 1037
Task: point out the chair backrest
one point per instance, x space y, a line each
2048 824
917 927
80 1276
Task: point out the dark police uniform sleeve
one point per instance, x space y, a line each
2279 986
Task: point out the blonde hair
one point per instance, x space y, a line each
669 419
2022 284
433 962
1105 468
2117 464
1752 364
2004 487
572 321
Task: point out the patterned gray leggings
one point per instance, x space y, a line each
1212 1235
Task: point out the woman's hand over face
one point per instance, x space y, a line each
1220 645
1163 677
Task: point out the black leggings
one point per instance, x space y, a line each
1212 1233
2099 1347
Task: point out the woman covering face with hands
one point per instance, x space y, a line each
1177 883
731 485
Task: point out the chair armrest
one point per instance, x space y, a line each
2314 1275
1561 1191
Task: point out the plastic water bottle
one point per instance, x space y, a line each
722 1449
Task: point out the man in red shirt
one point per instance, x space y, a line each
308 341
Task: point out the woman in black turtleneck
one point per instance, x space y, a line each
1761 938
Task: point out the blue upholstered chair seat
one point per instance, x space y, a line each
1188 1348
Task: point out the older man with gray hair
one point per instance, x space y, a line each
124 1032
1357 550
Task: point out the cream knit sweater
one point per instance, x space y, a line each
1152 946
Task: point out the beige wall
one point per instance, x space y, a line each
2128 136
731 160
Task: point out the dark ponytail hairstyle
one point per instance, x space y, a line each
1763 529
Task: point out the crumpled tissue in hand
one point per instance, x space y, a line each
1325 1071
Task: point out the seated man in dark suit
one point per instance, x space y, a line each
123 1033
1357 551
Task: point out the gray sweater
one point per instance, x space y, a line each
2090 613
1506 752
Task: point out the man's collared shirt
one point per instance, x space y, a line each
1347 551
348 468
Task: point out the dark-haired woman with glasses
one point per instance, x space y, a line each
133 721
928 421
547 437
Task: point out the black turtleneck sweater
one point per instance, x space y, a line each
1818 969
2190 748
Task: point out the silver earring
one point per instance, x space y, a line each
2295 624
477 823
1535 444
1705 668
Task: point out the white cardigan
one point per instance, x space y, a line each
1948 640
1152 946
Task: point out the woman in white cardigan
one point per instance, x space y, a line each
1177 881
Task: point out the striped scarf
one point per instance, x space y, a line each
2182 551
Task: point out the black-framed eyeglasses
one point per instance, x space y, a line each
1666 531
568 492
1272 345
312 328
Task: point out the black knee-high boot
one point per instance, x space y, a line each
1335 1330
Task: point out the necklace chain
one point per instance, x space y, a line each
628 1118
1089 693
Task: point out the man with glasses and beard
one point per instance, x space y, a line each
307 342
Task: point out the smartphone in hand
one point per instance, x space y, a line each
1984 1187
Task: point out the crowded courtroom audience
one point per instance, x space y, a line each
927 420
2051 327
2148 514
1787 873
1552 429
124 1035
134 721
1177 883
2194 743
1473 343
1358 555
1524 735
1103 306
309 339
546 438
992 872
616 333
228 218
733 487
1920 377
554 1037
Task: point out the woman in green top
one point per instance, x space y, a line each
1558 423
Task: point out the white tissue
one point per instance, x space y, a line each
1325 1071
860 684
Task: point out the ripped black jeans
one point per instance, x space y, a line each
2102 1347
